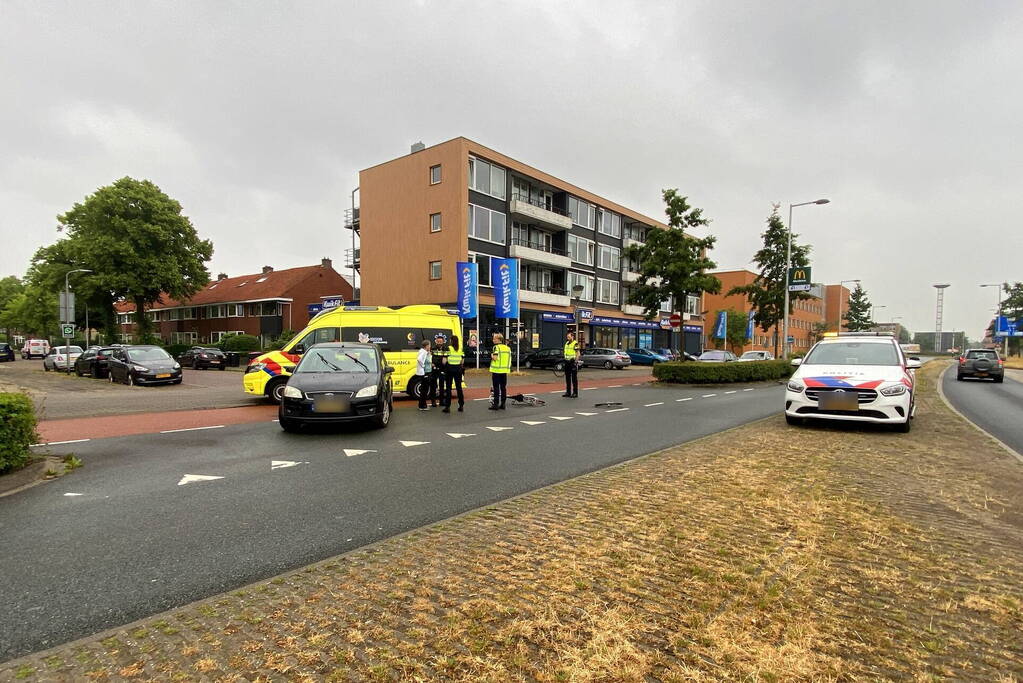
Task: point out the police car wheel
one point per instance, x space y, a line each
904 427
275 390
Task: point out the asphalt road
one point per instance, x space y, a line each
130 534
996 408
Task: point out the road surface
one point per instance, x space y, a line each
995 408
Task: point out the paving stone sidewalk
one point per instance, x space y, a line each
762 553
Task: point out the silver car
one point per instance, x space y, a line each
717 356
59 359
756 355
605 358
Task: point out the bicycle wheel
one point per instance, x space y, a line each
559 369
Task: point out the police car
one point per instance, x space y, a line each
856 377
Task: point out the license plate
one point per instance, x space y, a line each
214 362
330 405
981 374
839 400
163 376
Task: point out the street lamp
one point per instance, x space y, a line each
998 313
577 292
872 308
788 264
70 312
841 300
938 311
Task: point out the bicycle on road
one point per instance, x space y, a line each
559 368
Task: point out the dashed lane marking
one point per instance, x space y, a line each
281 464
190 429
708 395
533 423
587 414
74 494
192 478
730 392
58 443
358 451
614 386
482 399
638 384
677 400
456 435
651 405
500 429
615 410
557 417
747 390
410 444
589 388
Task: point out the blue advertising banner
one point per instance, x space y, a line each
468 289
749 324
624 322
721 326
504 277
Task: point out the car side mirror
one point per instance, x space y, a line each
913 364
797 361
298 349
388 370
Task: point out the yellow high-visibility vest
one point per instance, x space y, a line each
455 357
570 349
503 362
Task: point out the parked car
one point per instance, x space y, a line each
61 357
670 354
338 382
33 348
605 358
544 358
203 358
717 356
94 362
756 355
143 365
6 352
981 363
646 357
686 356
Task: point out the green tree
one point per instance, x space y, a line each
139 245
904 336
672 264
735 330
33 312
857 316
767 291
1012 307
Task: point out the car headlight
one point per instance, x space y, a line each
366 392
894 390
139 368
255 367
292 392
796 386
177 366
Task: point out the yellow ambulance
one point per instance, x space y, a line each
398 332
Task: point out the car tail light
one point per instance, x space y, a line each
1000 362
962 360
202 355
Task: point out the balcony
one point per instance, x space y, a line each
630 242
538 253
538 294
632 309
352 219
353 258
629 276
533 209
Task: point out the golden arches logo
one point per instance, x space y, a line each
799 274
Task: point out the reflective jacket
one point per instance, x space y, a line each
503 362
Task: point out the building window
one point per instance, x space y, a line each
216 311
263 309
482 262
219 336
582 213
607 291
487 225
609 258
575 279
434 270
609 223
581 250
487 178
434 222
693 305
236 310
435 174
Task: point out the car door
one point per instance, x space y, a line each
116 366
83 364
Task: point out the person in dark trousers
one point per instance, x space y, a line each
424 371
439 360
571 353
500 366
453 372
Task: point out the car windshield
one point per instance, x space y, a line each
753 354
142 355
982 354
853 353
712 355
338 360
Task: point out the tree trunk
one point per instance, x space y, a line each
143 325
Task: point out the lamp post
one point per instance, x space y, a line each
938 312
998 313
788 264
841 300
872 307
577 292
70 312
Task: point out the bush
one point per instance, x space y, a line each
714 373
17 430
176 350
284 338
242 343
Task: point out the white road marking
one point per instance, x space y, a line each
556 417
74 494
651 405
57 443
708 395
191 478
589 388
587 414
730 392
458 436
409 444
281 464
275 420
500 429
559 391
482 399
614 386
358 451
190 429
683 399
747 390
615 410
638 384
532 423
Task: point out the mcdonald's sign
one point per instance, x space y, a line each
799 279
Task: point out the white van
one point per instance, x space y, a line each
35 348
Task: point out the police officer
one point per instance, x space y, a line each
453 376
571 353
500 366
439 360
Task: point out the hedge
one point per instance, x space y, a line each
242 343
17 430
176 350
691 372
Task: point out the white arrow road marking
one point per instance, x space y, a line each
587 414
458 436
499 429
409 444
616 410
708 395
730 392
190 429
651 405
532 422
684 399
191 478
555 417
74 494
357 451
281 464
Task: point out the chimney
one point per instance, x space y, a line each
268 269
222 276
418 147
326 263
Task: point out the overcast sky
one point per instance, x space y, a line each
257 116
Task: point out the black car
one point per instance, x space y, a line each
6 352
338 382
202 358
93 362
143 365
981 363
544 358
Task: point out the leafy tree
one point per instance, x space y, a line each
735 330
767 291
904 336
1012 307
139 245
32 312
671 263
857 316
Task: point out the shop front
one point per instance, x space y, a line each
693 339
627 333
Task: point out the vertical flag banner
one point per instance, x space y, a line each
468 287
721 326
749 324
504 277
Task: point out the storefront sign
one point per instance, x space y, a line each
558 317
468 288
625 322
692 328
585 314
326 303
666 323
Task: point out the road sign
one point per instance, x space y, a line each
676 320
792 340
67 307
67 330
799 279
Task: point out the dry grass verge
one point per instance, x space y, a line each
764 553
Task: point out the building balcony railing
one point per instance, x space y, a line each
538 253
352 219
629 275
353 258
632 242
544 294
539 211
633 309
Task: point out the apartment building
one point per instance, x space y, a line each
420 214
836 305
261 304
